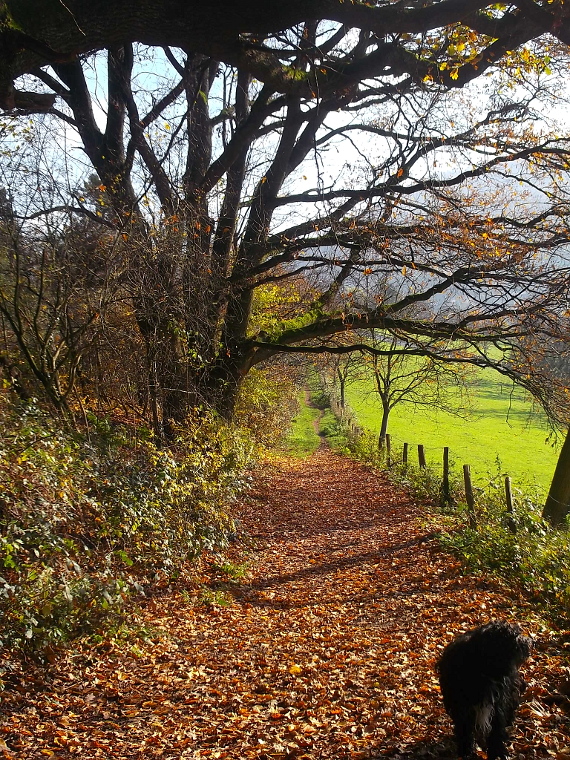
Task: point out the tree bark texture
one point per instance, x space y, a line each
557 504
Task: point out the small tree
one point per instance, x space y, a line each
56 287
345 366
401 376
338 370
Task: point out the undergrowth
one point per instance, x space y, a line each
86 522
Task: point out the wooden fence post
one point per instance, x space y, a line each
421 456
469 498
445 490
405 455
388 449
510 506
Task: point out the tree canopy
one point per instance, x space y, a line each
163 187
39 32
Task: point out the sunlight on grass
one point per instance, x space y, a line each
302 440
503 434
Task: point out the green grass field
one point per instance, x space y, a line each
502 434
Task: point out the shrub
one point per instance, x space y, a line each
85 522
534 556
319 395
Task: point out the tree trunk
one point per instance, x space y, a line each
557 504
342 384
384 425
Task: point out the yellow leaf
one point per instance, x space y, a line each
295 670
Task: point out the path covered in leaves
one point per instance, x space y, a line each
326 650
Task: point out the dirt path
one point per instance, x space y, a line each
326 650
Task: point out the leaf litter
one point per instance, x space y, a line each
325 649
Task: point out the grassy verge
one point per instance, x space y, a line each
303 439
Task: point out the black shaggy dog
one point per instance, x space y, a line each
481 685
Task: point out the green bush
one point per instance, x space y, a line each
331 428
318 393
526 551
86 522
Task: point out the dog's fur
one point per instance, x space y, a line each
481 685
